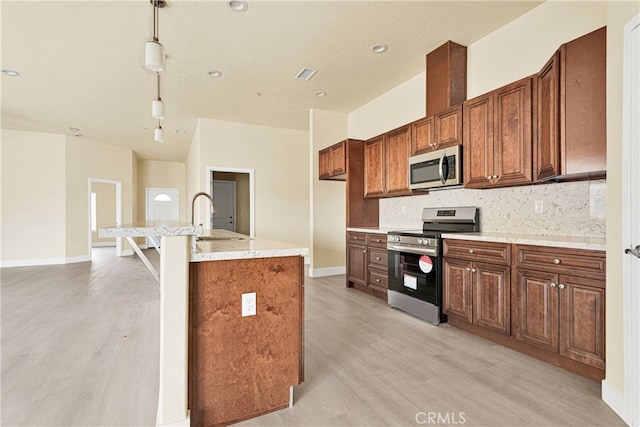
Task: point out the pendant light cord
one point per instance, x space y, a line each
159 98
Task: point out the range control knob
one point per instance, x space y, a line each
419 241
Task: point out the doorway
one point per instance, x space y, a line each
233 195
105 210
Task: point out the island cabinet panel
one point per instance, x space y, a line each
242 367
498 135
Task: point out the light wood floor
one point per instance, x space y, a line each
80 347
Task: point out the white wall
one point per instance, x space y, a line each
279 159
328 198
158 174
33 198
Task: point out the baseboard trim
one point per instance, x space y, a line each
327 271
43 261
616 401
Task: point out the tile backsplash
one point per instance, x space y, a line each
569 209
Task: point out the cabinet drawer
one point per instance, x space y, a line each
377 240
378 259
495 253
378 279
571 261
356 237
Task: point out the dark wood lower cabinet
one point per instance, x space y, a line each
367 263
549 304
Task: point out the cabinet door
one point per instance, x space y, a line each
512 134
397 146
546 154
324 161
422 136
582 320
477 140
491 297
338 159
448 127
457 288
374 182
536 320
357 264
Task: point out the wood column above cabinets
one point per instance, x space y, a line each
446 77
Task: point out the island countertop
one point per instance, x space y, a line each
227 245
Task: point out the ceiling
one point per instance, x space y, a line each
80 62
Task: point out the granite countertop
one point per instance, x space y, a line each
572 242
229 245
151 228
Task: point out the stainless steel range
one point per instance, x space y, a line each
415 261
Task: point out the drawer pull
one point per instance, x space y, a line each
378 258
556 261
470 251
377 280
378 240
561 286
553 285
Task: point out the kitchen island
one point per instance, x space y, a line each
217 366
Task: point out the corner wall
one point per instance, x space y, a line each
328 198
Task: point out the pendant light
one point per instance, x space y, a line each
157 106
159 133
154 51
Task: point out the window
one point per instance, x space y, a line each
162 198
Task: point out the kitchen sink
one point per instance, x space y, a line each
214 238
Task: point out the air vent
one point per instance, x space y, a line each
305 73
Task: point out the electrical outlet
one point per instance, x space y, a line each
249 304
539 206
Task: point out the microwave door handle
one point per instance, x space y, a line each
441 168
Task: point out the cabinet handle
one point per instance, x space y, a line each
489 177
556 261
473 270
553 285
378 258
468 269
470 251
377 280
560 286
378 240
364 252
495 176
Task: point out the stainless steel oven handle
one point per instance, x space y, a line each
412 249
440 168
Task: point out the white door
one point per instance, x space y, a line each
631 218
224 199
162 205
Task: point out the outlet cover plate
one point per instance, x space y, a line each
249 304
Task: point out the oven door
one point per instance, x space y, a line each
417 275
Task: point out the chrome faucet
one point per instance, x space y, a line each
193 202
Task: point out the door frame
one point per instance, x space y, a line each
252 199
118 185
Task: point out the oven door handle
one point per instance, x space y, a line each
412 249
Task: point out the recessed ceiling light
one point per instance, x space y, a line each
379 48
305 73
321 93
215 73
237 5
11 73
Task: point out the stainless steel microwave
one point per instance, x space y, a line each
439 168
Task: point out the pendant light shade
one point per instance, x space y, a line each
154 56
159 134
157 109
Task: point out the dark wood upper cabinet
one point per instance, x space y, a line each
497 136
446 77
386 159
435 132
333 163
571 140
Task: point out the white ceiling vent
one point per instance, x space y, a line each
305 73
